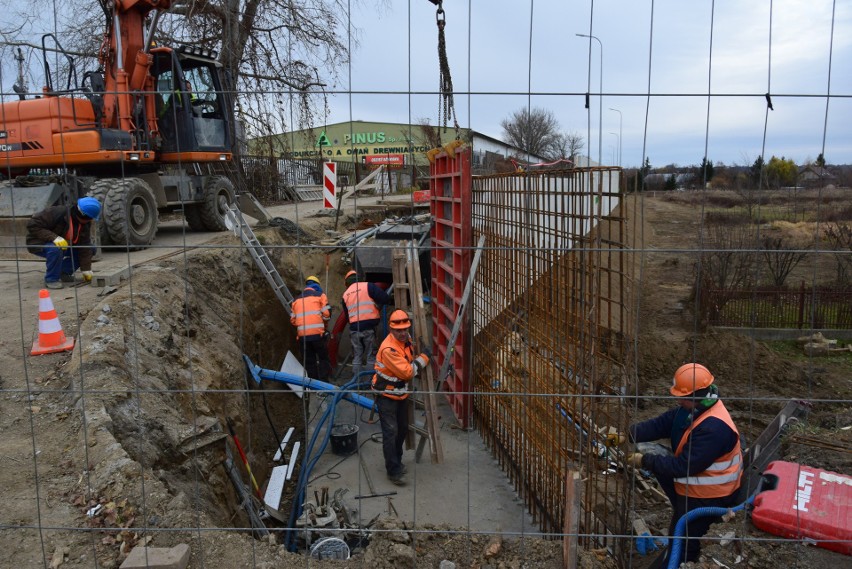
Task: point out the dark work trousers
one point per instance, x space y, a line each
393 415
315 353
695 529
59 262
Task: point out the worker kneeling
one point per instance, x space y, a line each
63 236
395 367
707 465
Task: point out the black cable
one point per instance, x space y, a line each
328 473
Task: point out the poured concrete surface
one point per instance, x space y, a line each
467 491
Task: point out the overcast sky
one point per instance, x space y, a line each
505 55
511 54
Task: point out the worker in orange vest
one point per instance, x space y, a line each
707 466
361 306
310 315
396 366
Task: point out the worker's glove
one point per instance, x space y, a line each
87 276
61 243
634 459
615 439
420 362
427 352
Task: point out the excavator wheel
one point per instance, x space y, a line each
130 212
99 190
218 195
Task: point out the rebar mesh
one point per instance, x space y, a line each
552 329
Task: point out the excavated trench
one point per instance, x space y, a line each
166 353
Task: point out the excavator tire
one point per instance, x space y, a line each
218 195
99 190
192 214
130 212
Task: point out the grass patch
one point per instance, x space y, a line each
793 350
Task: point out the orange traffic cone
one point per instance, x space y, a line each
51 338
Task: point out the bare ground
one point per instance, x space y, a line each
112 422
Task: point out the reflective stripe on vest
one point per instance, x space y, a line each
720 479
386 384
307 312
359 304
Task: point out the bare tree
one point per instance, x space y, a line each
535 131
270 48
780 258
724 268
568 145
839 236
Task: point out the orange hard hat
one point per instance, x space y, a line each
350 274
399 320
689 378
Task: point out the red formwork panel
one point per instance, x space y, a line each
806 503
452 240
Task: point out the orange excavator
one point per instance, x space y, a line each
148 132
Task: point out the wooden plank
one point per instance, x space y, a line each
571 526
422 336
400 298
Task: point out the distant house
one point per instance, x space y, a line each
813 176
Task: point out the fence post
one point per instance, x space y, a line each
802 305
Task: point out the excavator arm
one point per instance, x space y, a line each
126 60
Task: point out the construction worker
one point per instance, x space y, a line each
361 306
310 314
395 367
62 234
707 465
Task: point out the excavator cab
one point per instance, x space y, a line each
192 106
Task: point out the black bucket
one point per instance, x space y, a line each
344 439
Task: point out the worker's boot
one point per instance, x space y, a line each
398 480
53 284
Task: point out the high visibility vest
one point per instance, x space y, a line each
308 315
393 369
359 304
722 478
73 236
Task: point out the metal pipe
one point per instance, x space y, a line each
149 33
259 373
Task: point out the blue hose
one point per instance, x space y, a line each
680 528
346 391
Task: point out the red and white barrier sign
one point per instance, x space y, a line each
329 185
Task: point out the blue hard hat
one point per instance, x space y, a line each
90 207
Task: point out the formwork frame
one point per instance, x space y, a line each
452 242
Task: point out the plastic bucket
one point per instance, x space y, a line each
344 439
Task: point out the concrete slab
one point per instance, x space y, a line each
176 557
469 490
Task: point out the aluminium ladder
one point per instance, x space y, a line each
241 229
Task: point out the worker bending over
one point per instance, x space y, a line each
361 306
310 314
707 465
62 234
395 367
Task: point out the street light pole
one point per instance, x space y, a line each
619 134
615 134
600 108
